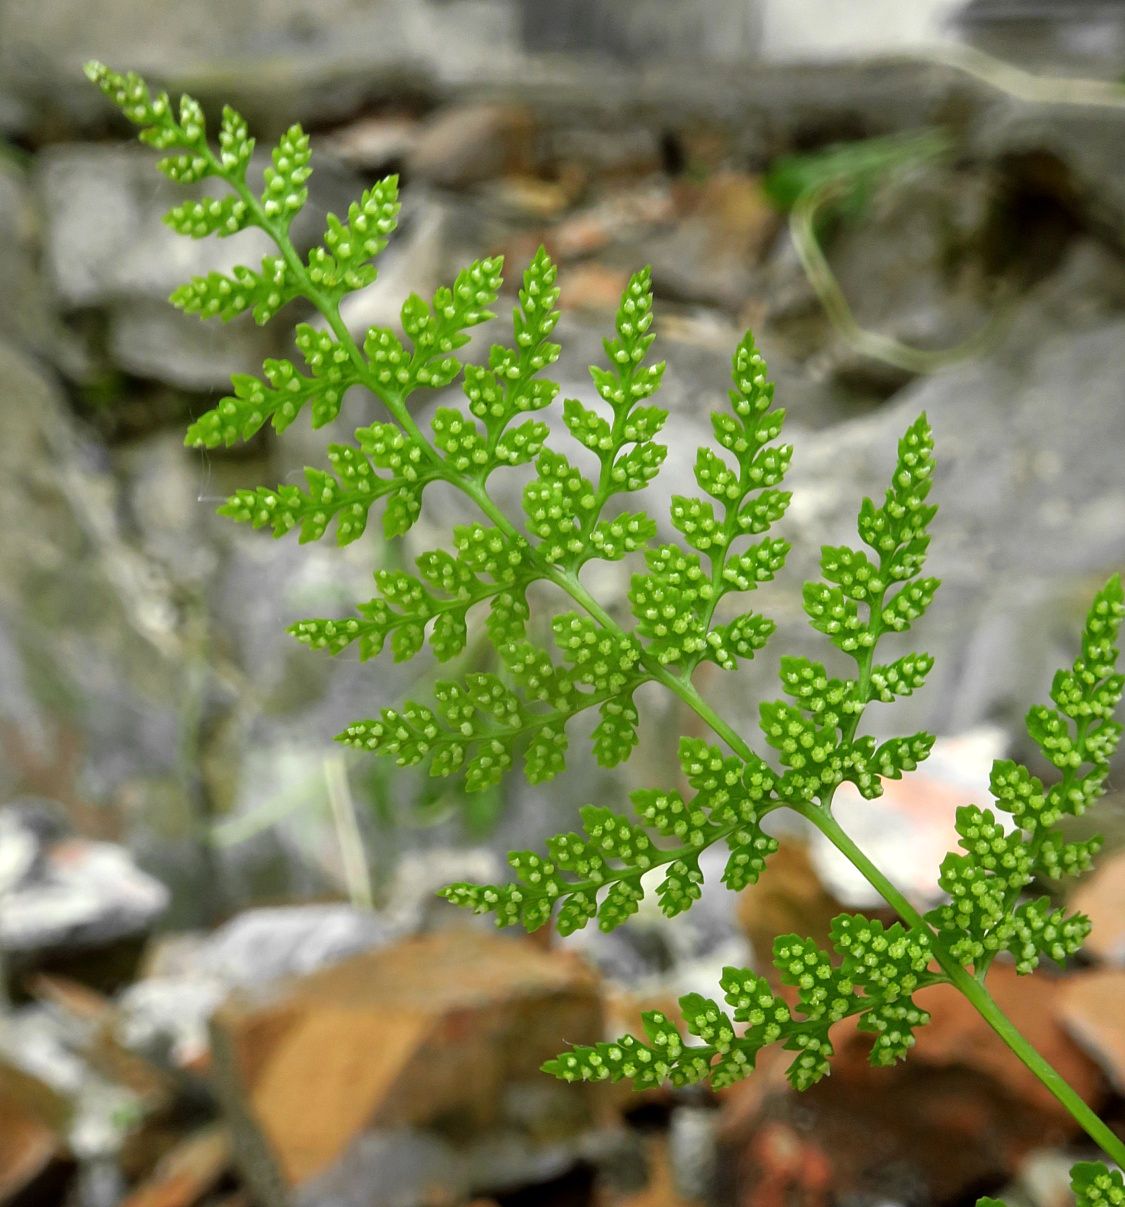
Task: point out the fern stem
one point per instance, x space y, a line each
975 992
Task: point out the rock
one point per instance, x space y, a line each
908 258
1030 496
399 1167
105 237
411 901
97 661
960 1113
1066 152
632 212
414 263
1089 34
601 152
167 1012
265 945
1101 897
276 65
87 1106
409 1167
377 144
692 1151
452 1027
75 894
663 29
673 956
108 248
1090 1009
661 1189
470 143
24 315
594 287
166 1018
724 226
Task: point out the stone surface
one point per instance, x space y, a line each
445 1031
275 64
84 1100
79 894
24 313
1030 495
166 1013
1069 150
724 225
471 143
410 1167
106 247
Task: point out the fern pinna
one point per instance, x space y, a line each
687 605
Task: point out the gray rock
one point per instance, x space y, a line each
1031 497
373 144
1086 32
905 262
88 629
1072 152
692 1150
723 30
107 248
469 143
23 309
275 63
166 1014
408 1167
70 894
50 1046
265 945
677 955
105 238
399 1168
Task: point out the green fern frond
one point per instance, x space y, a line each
585 502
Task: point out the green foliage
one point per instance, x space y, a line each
684 607
859 165
1094 1185
600 873
985 881
875 971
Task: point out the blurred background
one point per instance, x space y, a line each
227 980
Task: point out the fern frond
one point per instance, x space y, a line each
478 724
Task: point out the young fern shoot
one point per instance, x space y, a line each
478 725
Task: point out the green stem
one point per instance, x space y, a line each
977 995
